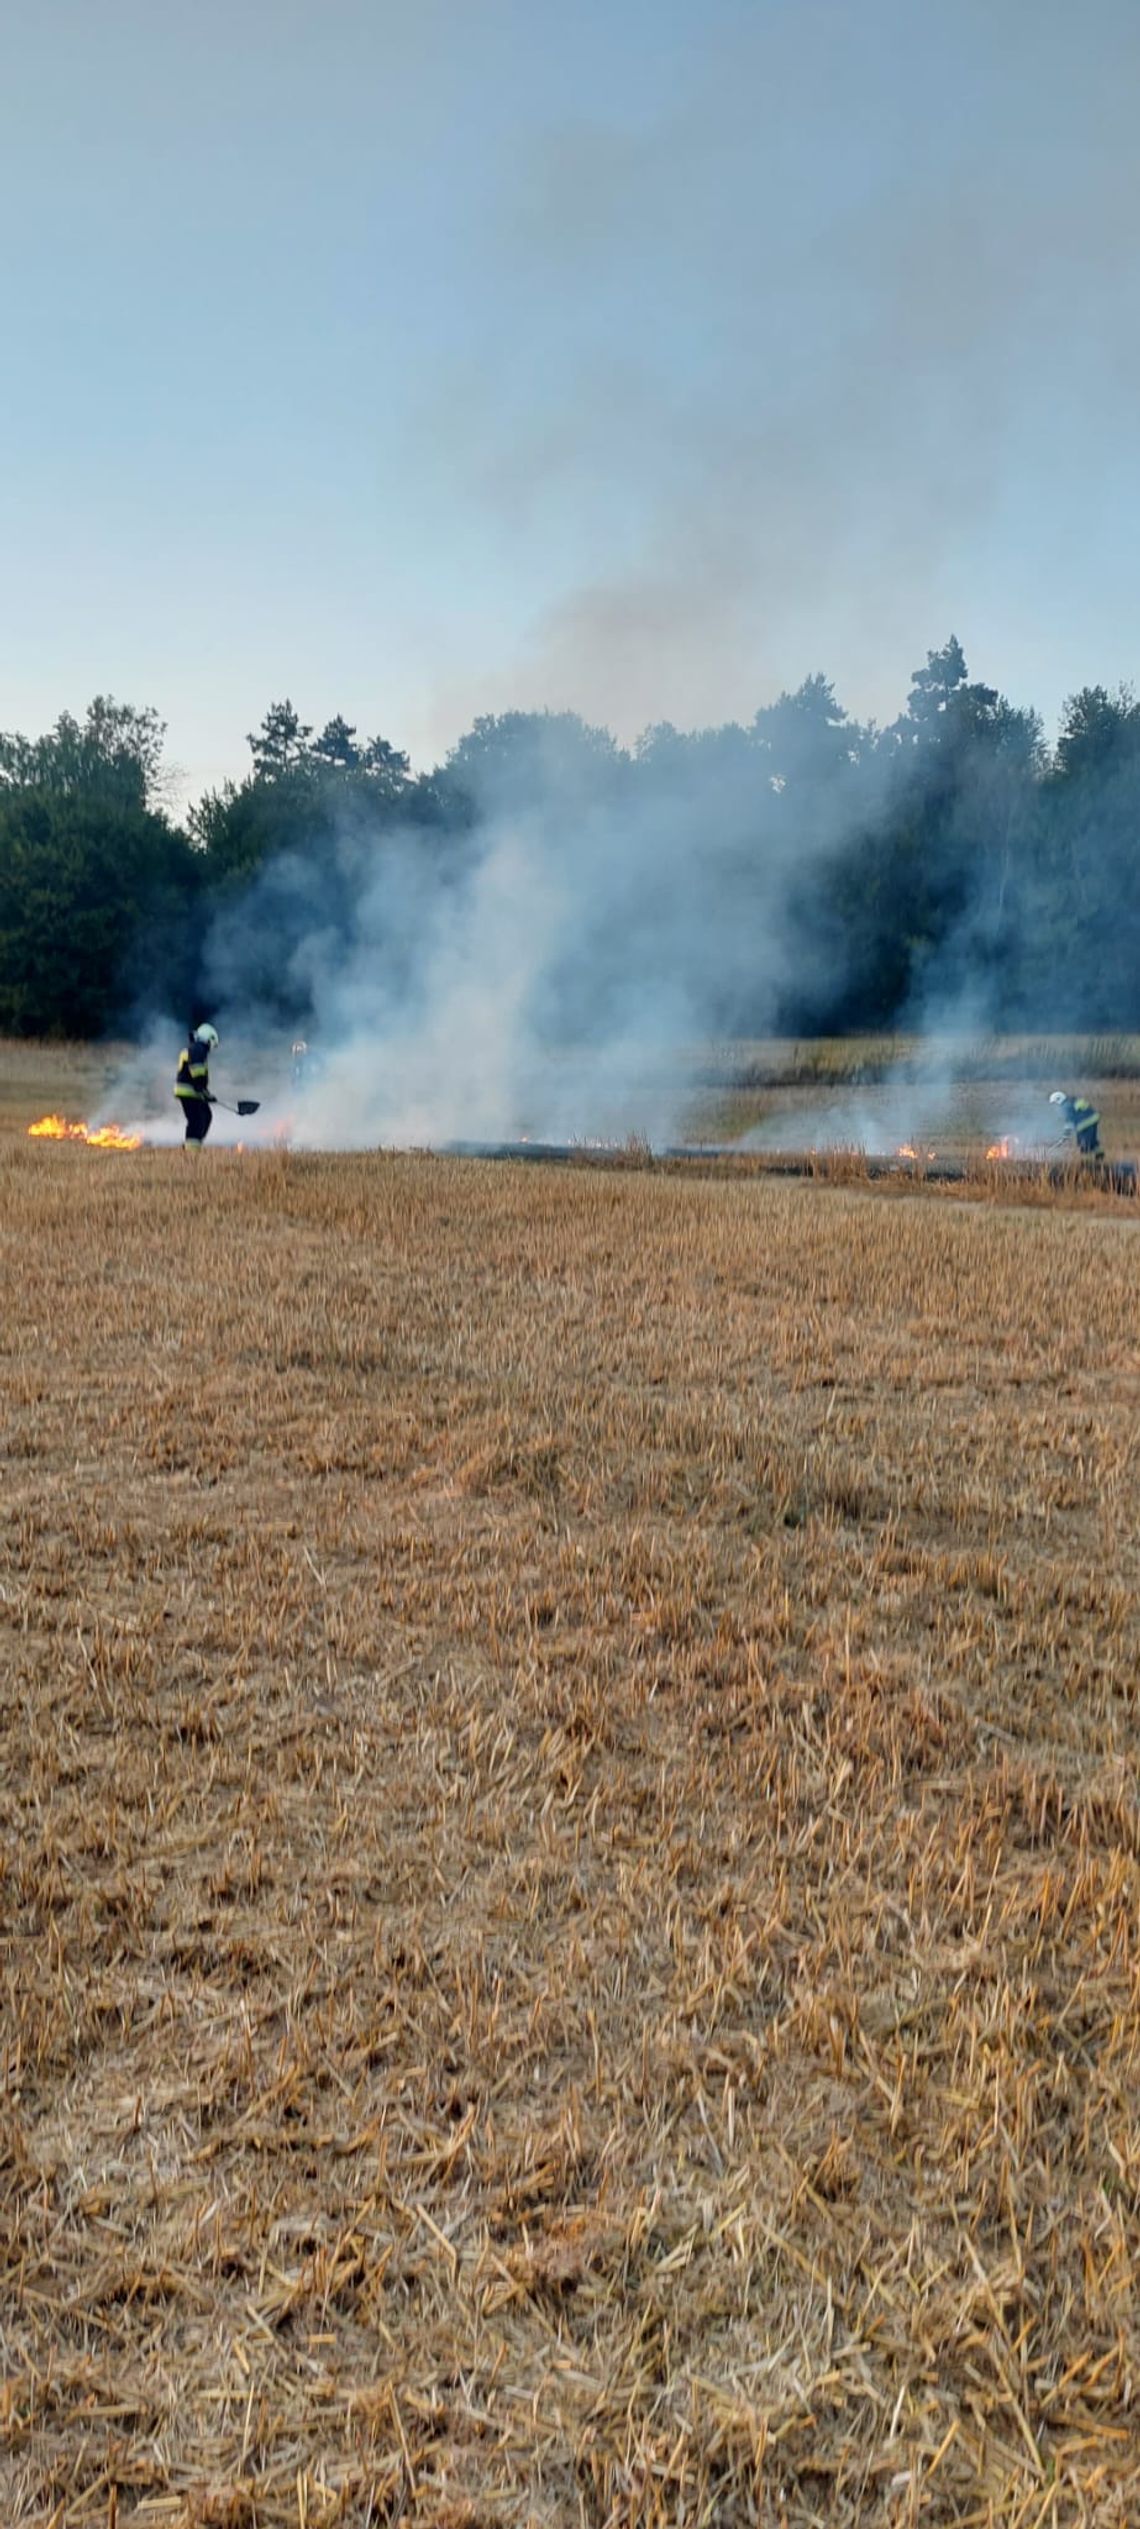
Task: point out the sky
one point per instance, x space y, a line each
421 358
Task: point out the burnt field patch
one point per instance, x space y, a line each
571 1851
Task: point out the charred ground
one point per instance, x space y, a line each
571 1852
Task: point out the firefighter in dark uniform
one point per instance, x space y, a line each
192 1083
1082 1121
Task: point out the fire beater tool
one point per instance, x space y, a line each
245 1106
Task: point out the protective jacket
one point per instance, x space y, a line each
193 1076
1084 1123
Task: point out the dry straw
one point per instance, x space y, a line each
571 1858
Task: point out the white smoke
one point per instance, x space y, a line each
540 994
923 1105
469 1045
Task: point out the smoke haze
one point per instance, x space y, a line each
555 955
553 986
705 348
887 373
629 360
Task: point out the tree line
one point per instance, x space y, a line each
949 862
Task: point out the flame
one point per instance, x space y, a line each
1005 1149
55 1128
908 1150
52 1128
112 1137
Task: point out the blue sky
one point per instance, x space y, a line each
418 360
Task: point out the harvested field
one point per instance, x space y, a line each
824 1096
571 1859
35 1076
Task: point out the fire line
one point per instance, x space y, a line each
55 1128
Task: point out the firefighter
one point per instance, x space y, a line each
1081 1120
192 1083
300 1061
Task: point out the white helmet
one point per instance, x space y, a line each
207 1035
1056 1097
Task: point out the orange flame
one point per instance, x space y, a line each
55 1128
908 1150
1005 1149
52 1128
112 1137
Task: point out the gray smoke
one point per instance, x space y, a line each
553 986
905 273
550 964
755 366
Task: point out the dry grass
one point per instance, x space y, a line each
876 1090
571 1857
832 1061
36 1078
961 1118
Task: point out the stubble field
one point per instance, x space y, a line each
571 1852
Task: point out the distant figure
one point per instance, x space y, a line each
1081 1120
300 1061
192 1082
